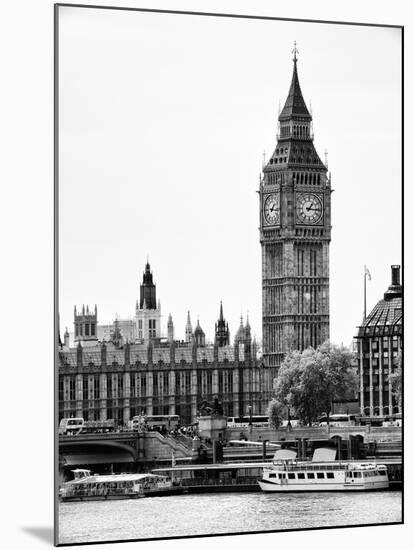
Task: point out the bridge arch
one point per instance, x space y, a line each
96 452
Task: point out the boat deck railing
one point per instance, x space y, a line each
101 491
247 480
305 467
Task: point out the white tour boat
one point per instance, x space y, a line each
88 486
323 473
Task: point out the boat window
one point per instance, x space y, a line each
330 475
291 475
320 475
282 476
357 474
301 475
272 475
311 475
382 473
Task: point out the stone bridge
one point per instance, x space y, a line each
120 447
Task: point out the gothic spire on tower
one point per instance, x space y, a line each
295 104
147 290
295 133
188 329
222 333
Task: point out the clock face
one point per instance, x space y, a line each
271 209
309 208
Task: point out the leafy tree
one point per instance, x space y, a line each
396 380
308 382
275 413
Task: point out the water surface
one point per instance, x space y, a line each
180 515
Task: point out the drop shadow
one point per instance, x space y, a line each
43 533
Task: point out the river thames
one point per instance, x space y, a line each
198 514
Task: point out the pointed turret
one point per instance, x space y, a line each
170 329
240 334
221 318
247 321
148 311
148 289
222 333
188 329
199 336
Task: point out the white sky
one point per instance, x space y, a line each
163 122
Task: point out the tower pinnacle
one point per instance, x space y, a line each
295 51
147 290
222 333
188 329
295 105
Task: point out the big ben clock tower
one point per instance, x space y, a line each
295 231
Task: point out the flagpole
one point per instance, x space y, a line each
365 292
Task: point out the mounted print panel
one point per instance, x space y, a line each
229 221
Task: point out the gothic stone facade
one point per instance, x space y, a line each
295 232
105 381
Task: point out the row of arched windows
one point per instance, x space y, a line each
311 178
274 178
309 232
297 131
280 160
300 131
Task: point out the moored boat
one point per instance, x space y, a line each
87 486
323 473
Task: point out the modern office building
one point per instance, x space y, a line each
379 347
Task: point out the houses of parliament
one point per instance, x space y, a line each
126 368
